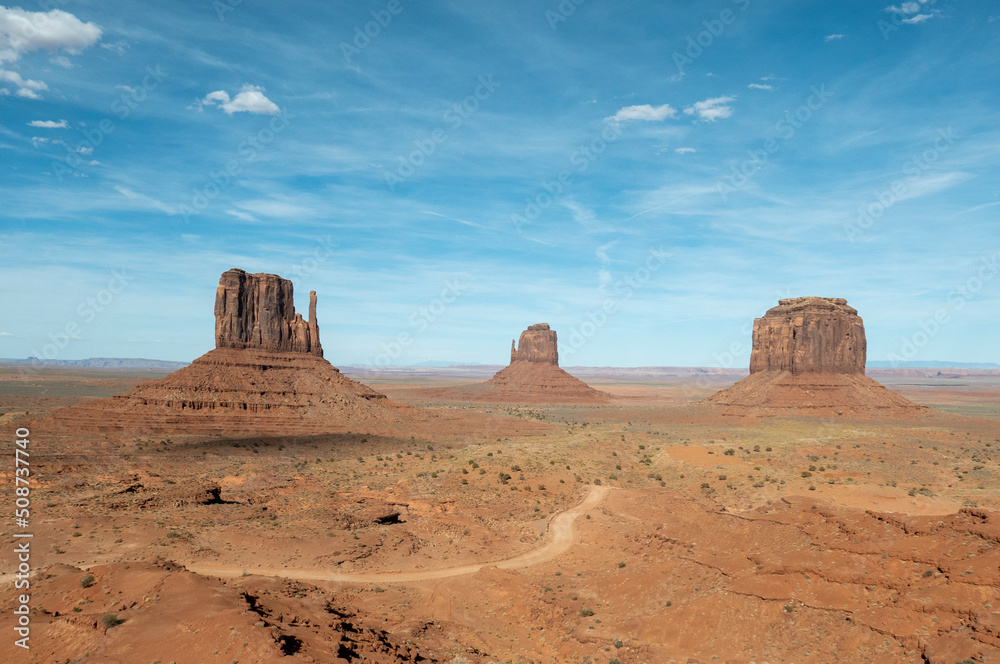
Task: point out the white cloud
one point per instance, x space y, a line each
146 201
24 31
276 208
684 150
644 112
931 184
830 38
710 110
760 86
243 216
6 334
25 87
914 8
904 8
581 214
117 47
62 61
48 124
602 252
250 99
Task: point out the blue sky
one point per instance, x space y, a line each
646 177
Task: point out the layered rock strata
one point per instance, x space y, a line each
533 376
266 376
537 344
809 356
258 311
809 334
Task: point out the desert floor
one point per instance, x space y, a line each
647 530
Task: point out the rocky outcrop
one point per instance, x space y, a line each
258 311
809 334
533 376
809 357
266 376
537 344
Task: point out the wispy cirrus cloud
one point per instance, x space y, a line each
143 200
916 12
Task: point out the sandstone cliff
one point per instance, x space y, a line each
533 376
809 334
537 344
809 357
266 376
258 311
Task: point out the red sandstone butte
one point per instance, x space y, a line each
809 355
266 376
533 376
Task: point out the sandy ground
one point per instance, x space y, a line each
644 530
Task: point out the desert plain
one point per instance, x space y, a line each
649 528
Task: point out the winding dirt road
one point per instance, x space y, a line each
560 534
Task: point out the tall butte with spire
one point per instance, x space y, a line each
809 355
265 376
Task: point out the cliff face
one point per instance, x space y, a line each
537 344
809 335
258 311
809 357
266 376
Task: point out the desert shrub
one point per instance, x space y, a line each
586 613
730 452
111 620
87 581
806 473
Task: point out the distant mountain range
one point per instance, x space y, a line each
105 363
141 363
932 364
